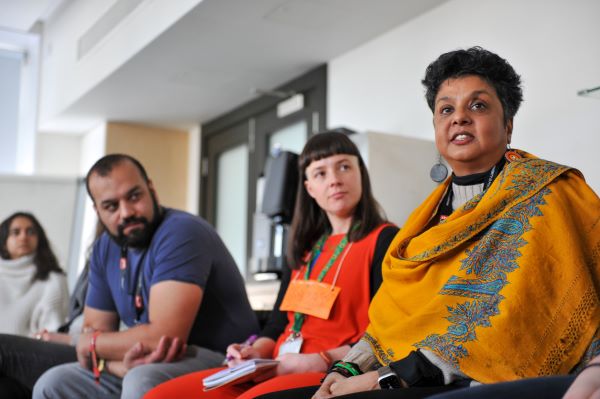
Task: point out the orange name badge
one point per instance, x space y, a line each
310 297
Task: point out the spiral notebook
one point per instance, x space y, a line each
243 372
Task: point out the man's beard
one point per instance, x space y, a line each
140 237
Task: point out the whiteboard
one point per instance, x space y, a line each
399 171
57 202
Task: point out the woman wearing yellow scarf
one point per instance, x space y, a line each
496 276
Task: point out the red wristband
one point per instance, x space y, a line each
326 358
94 355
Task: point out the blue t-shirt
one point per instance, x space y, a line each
184 248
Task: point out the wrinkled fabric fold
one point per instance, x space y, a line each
506 287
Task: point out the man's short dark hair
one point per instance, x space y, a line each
105 165
479 62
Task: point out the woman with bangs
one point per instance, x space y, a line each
339 237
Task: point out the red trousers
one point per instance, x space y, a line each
190 386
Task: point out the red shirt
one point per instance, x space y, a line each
349 316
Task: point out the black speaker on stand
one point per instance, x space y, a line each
274 215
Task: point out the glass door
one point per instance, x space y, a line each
226 169
235 148
289 138
232 202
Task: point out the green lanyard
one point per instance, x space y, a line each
316 252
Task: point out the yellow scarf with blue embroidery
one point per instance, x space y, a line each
506 287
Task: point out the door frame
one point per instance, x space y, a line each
252 123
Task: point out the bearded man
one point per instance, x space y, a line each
164 274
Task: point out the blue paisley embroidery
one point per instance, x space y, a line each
531 174
591 352
487 267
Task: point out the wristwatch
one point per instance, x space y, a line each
387 378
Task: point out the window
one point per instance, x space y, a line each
19 69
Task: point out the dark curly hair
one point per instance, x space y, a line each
44 260
310 222
479 62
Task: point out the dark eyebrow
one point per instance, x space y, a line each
476 93
111 201
442 99
108 202
133 190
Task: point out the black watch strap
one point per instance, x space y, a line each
417 371
387 379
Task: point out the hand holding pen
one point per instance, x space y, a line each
240 352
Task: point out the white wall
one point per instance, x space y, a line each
552 44
58 154
93 146
65 78
193 192
399 171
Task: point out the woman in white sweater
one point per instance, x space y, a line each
33 288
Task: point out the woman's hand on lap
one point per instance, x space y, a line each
360 383
325 388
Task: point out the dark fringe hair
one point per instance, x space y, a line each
44 259
479 62
310 221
